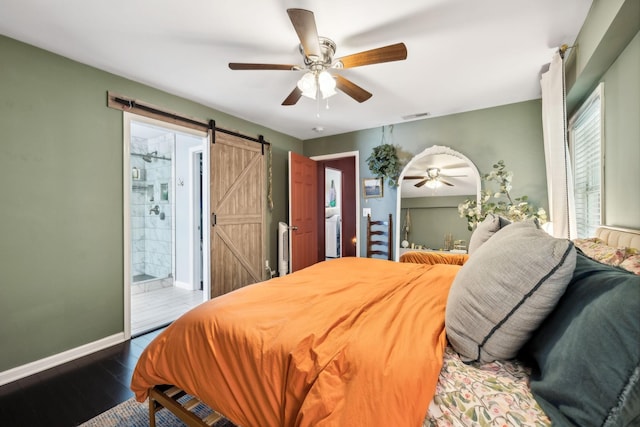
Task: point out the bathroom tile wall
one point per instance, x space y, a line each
152 233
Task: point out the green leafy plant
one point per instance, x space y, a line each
383 163
499 202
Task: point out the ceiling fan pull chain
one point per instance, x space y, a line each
318 101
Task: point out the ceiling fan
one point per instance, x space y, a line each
317 53
433 178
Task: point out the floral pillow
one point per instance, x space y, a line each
632 263
597 249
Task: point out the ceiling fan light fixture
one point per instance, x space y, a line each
433 172
433 184
307 84
327 84
313 82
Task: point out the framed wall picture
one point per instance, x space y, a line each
372 187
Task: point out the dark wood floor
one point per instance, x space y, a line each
75 392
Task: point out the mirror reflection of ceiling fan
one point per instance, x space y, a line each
317 53
433 178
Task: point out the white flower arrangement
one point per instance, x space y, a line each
517 209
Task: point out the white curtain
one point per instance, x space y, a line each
556 149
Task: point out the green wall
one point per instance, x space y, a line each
512 133
622 138
61 221
431 219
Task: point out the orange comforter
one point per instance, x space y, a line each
434 258
346 342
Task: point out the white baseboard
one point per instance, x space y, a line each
183 285
31 368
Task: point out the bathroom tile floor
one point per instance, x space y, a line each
159 307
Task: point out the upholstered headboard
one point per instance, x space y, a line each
619 237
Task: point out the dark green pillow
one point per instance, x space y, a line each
586 354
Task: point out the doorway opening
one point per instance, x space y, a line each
164 231
333 213
342 169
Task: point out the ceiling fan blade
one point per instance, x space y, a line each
293 97
305 25
421 183
245 66
456 166
446 183
394 52
352 89
415 177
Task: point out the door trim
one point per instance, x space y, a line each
196 247
127 118
342 155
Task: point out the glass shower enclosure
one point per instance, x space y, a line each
152 170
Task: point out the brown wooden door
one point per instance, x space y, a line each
303 217
237 207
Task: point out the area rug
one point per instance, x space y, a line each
135 414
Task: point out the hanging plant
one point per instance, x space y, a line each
383 163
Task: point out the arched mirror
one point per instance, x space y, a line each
430 188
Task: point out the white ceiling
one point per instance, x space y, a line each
462 54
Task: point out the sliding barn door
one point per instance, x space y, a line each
237 206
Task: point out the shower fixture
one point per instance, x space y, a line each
149 157
155 210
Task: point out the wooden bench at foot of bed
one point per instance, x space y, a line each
166 396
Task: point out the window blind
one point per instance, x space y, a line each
586 138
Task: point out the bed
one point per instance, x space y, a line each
368 342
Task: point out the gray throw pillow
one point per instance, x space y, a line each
505 290
487 228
